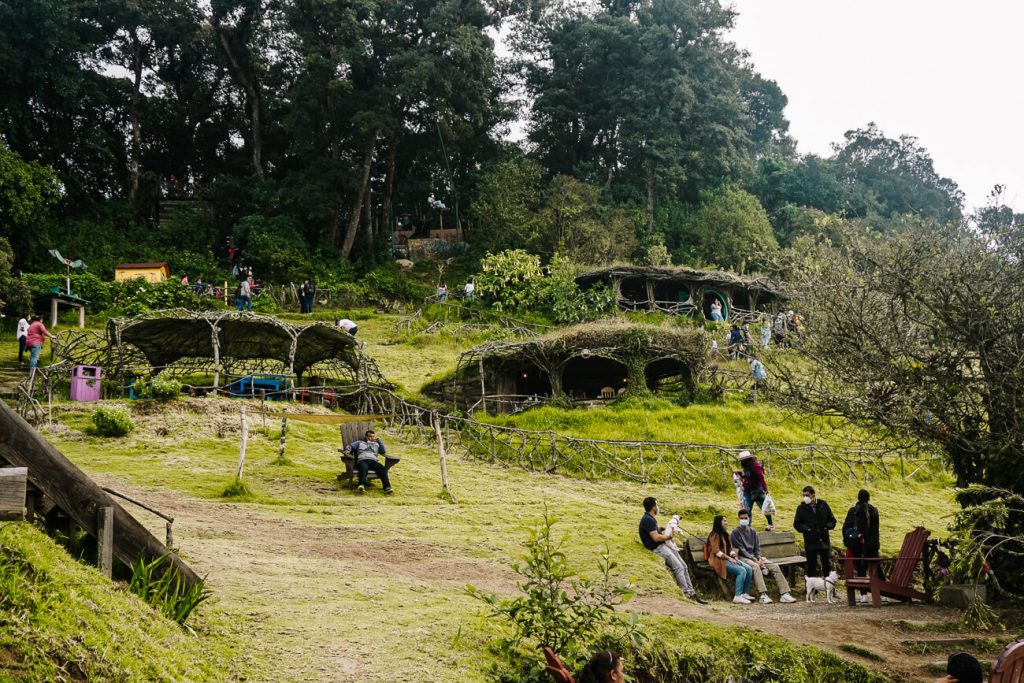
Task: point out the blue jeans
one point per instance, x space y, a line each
751 497
743 573
33 358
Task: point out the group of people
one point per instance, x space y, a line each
31 334
469 291
737 554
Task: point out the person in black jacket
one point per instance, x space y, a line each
814 519
860 533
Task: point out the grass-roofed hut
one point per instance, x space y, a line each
225 345
685 291
585 363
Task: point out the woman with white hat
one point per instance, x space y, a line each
753 485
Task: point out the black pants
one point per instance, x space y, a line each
862 567
366 465
21 349
816 556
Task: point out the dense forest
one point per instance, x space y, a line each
308 127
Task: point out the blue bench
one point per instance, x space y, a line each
254 384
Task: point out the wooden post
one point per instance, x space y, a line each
263 407
216 359
245 442
284 431
170 536
435 419
81 317
554 452
483 387
105 540
494 446
13 493
53 311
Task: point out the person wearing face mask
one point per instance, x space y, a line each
719 553
860 534
748 546
814 519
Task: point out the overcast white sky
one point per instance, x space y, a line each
948 72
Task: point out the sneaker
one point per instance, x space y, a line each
388 491
697 599
786 597
862 597
361 489
748 596
765 600
770 527
740 600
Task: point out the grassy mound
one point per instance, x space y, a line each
61 620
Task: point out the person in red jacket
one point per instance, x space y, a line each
37 334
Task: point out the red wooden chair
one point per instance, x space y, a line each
1009 665
557 670
897 586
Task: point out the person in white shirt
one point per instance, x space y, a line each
470 288
22 335
347 325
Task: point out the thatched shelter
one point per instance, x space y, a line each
685 291
223 344
585 363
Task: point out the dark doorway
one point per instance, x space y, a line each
530 380
591 378
634 292
667 375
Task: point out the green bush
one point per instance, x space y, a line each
159 389
112 421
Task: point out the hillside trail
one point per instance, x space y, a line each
274 571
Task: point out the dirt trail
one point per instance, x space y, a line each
276 572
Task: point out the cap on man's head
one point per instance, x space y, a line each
745 455
809 489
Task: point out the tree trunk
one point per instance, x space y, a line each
368 213
650 201
389 182
253 99
357 205
136 104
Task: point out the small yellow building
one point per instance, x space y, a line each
150 272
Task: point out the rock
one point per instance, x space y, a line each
405 264
961 595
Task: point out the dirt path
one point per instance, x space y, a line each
293 583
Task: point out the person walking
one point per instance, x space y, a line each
722 557
814 519
22 335
754 486
662 545
306 293
442 292
860 535
243 295
34 339
766 332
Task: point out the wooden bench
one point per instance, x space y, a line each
13 492
778 546
351 432
1009 666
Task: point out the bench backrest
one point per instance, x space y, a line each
1009 665
774 544
13 489
555 668
910 553
353 431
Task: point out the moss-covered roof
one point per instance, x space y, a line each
681 273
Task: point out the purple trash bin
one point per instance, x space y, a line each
85 382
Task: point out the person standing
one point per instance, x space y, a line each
34 339
766 332
716 311
663 546
860 534
754 486
243 295
722 557
748 545
22 335
470 290
307 292
442 292
814 519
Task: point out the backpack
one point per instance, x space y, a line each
851 537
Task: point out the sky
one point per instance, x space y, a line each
944 71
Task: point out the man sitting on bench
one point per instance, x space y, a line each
745 541
365 452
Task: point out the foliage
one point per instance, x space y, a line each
731 229
14 295
559 609
158 583
985 530
158 388
237 489
110 421
125 297
27 189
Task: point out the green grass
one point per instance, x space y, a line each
61 620
732 422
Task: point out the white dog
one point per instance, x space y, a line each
826 585
672 528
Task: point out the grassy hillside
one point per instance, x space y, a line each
61 620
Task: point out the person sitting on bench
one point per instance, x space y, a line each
365 452
748 546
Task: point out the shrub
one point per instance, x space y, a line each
159 389
112 421
570 614
158 583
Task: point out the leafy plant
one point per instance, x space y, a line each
159 584
570 614
111 421
159 388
